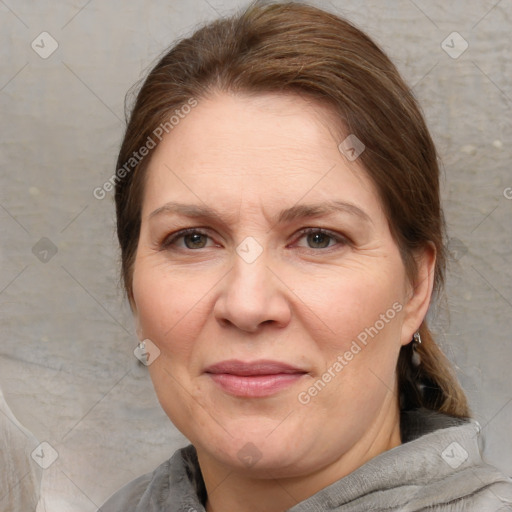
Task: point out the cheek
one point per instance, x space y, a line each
154 305
353 304
356 336
169 314
169 306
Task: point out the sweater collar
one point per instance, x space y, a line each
435 447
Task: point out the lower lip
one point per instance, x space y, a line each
254 385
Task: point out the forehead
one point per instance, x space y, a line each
273 149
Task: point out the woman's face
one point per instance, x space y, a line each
280 314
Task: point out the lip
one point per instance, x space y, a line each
254 379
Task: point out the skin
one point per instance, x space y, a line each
302 301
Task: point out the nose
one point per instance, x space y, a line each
252 295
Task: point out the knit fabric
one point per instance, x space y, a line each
437 468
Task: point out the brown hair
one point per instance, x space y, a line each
296 48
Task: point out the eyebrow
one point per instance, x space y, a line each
296 212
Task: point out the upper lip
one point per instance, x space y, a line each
245 369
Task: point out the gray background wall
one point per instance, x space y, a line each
66 356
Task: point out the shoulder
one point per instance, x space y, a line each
176 480
147 491
483 489
496 497
128 498
454 476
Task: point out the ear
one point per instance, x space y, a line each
419 292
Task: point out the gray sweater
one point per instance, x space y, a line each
437 468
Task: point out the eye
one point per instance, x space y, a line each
318 238
193 238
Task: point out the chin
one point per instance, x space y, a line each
269 451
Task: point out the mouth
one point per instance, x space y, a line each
254 379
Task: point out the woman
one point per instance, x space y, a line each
281 232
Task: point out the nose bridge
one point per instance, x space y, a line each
252 294
250 278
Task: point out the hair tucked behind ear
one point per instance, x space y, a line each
299 49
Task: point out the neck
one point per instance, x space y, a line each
229 489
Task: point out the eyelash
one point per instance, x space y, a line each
168 241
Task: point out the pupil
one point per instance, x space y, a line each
195 239
317 237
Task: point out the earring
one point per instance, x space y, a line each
416 340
